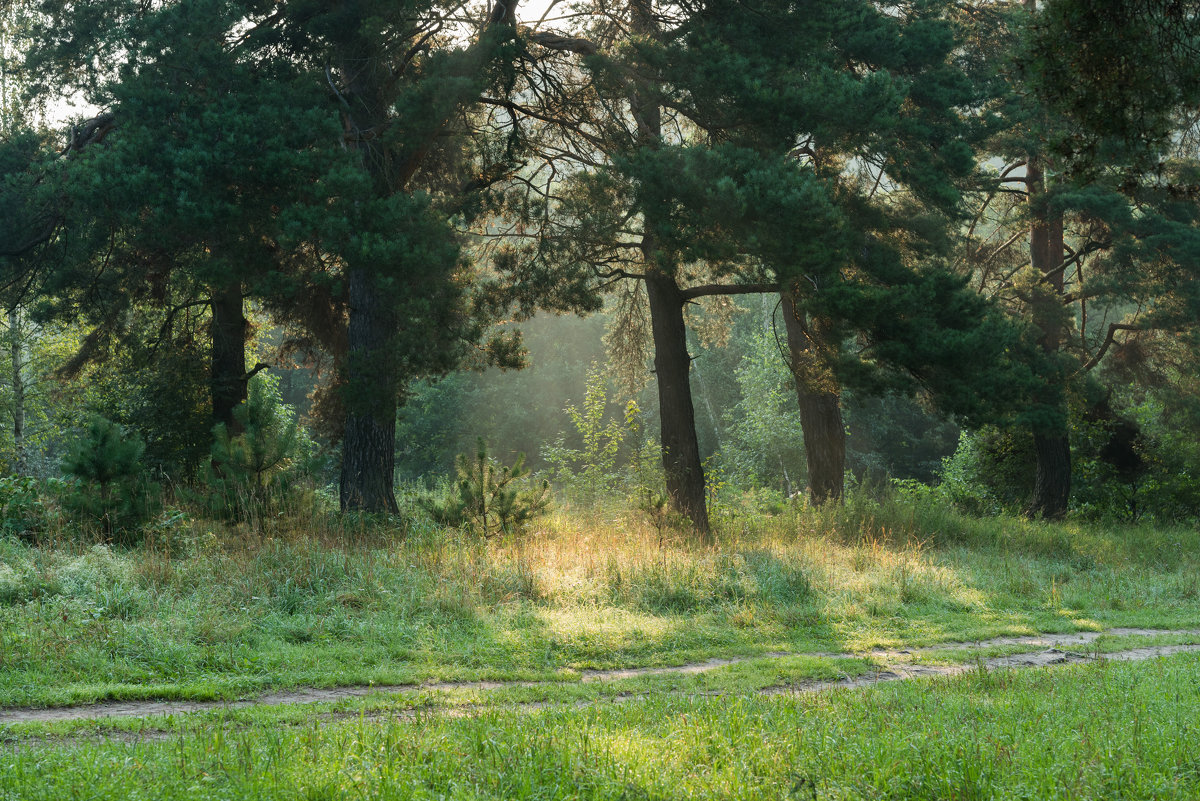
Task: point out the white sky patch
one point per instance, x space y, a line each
531 12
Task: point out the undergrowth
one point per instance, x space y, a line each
208 609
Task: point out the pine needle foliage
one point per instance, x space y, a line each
112 491
251 466
490 498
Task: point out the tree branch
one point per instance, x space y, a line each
1113 328
557 41
90 132
258 368
706 290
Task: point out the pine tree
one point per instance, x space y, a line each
312 156
107 461
1097 251
806 150
489 498
250 461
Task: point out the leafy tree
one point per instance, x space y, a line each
591 467
764 443
36 404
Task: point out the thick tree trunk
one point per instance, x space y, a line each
369 441
681 451
369 445
1052 479
227 380
16 354
824 445
672 363
819 399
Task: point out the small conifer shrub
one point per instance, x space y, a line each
253 467
489 498
112 490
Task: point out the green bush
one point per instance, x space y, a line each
489 498
1157 482
1140 464
25 510
589 471
261 464
112 491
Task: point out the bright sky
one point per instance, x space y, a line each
530 11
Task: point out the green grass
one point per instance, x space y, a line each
224 613
1088 732
746 677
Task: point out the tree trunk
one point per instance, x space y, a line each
681 451
369 445
227 381
1052 478
819 398
16 343
672 363
369 442
1052 481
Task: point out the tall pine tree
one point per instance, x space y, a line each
301 153
805 150
1089 230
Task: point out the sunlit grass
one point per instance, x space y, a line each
1096 731
221 612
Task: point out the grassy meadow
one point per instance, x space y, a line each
208 611
216 613
1097 731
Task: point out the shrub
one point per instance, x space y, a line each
591 469
489 498
112 490
256 466
24 510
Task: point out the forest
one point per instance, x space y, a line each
596 399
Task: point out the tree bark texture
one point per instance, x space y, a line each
227 381
1052 479
369 443
369 440
672 363
819 398
1052 448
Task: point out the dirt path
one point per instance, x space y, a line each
1054 649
